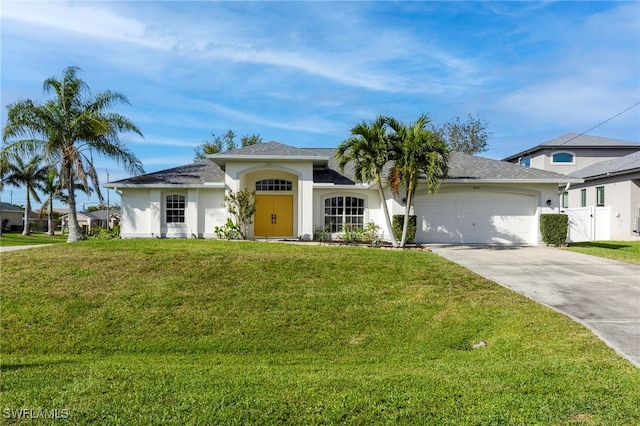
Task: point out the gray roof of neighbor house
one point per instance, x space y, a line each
6 207
577 140
622 165
102 214
462 168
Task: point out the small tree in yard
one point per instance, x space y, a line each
241 205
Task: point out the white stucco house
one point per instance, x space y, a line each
12 217
299 190
606 206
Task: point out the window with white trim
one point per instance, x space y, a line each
563 158
600 196
565 199
175 208
583 197
343 211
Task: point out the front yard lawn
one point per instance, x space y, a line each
208 332
17 239
624 251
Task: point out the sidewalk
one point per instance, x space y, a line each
14 248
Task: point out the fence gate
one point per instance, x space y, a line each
589 223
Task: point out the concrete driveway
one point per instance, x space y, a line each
602 294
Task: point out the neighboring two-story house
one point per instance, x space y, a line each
606 206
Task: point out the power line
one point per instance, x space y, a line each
600 124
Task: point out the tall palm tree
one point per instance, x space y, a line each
30 175
419 153
68 129
369 149
4 168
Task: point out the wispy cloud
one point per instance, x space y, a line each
366 68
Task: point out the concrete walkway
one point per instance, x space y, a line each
13 248
602 294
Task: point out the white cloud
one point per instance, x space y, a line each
311 125
85 19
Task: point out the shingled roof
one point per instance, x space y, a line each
270 151
6 207
622 165
194 174
465 167
577 140
462 168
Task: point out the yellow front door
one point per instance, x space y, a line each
273 216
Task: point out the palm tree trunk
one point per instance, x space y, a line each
74 228
387 217
27 212
407 209
50 218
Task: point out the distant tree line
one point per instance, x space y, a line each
223 143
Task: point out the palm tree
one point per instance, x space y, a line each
369 149
4 166
68 129
418 151
51 187
54 191
31 175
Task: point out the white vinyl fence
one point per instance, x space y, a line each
589 223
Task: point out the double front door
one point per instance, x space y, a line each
273 216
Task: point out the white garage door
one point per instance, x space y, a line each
476 217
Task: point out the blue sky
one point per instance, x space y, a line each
303 73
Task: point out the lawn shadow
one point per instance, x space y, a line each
14 366
599 245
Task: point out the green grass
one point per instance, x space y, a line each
624 251
17 239
207 332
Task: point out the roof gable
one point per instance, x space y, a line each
270 151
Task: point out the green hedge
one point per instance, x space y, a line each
398 222
554 228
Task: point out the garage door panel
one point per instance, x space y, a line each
476 217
